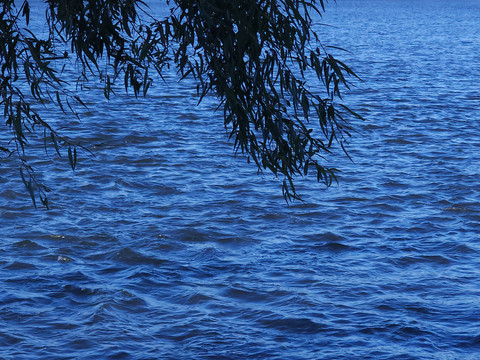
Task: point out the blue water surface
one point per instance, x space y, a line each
164 245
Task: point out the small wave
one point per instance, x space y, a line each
83 291
18 265
412 260
294 325
132 257
28 244
335 247
64 259
247 295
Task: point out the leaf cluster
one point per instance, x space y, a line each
277 85
256 56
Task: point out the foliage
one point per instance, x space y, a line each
255 56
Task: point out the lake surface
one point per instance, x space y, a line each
165 246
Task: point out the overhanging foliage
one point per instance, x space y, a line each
260 58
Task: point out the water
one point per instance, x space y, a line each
165 246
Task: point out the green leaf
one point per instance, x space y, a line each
28 186
26 11
72 157
55 144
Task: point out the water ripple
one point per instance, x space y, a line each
166 246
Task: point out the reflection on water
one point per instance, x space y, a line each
165 246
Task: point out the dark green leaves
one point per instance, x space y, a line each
278 85
256 56
29 186
31 67
26 11
72 157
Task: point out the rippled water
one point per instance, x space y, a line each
166 246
